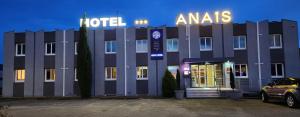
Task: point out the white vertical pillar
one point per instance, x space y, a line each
258 54
125 62
64 61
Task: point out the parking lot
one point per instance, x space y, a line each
146 108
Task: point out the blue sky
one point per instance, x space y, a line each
21 15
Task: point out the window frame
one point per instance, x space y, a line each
276 70
142 68
206 49
111 74
136 46
239 44
22 48
240 66
110 43
172 41
16 79
45 75
274 42
51 49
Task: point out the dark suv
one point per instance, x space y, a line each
287 89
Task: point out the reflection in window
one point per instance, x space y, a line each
110 73
142 72
172 45
50 75
239 42
20 75
205 43
241 70
173 70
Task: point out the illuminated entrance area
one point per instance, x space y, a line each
206 76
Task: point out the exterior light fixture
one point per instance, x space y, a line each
141 22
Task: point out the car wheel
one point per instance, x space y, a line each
291 101
264 97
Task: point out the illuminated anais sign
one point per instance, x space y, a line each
103 22
205 18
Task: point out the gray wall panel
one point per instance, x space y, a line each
265 52
58 84
49 89
8 64
39 64
99 63
19 62
132 59
183 53
69 72
141 87
18 90
29 64
217 40
252 56
120 62
110 87
291 48
194 43
228 40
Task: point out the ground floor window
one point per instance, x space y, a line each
110 73
241 70
173 70
142 72
20 75
75 74
277 70
50 75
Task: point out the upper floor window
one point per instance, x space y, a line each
142 72
110 73
76 48
239 42
173 70
277 70
276 41
50 48
241 70
110 47
172 45
205 44
50 75
20 75
20 49
141 46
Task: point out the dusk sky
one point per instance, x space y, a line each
34 15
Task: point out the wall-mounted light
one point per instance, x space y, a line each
141 22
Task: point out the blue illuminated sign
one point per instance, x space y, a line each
156 44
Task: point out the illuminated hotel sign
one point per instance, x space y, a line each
156 44
103 22
205 18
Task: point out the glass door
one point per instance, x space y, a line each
205 76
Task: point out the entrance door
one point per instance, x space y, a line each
204 76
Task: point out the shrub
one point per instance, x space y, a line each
168 84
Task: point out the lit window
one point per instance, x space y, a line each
20 75
241 71
142 72
277 70
110 47
141 46
20 49
239 42
205 44
276 41
110 73
173 70
50 48
75 74
76 48
50 75
172 45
